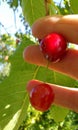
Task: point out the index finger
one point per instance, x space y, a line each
66 25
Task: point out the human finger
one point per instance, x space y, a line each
68 65
63 96
66 25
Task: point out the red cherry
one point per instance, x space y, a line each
53 46
41 97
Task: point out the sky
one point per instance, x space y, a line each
7 22
7 19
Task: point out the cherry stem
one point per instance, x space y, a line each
47 64
46 7
47 69
36 71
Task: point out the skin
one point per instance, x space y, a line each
67 26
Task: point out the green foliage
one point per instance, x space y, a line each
44 121
66 9
74 6
35 9
7 47
13 97
14 3
56 111
53 9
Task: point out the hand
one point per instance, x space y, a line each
68 27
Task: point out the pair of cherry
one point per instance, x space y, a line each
53 48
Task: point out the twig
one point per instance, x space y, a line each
46 7
4 28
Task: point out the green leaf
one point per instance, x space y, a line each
58 113
33 10
13 96
53 9
63 80
15 3
74 6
